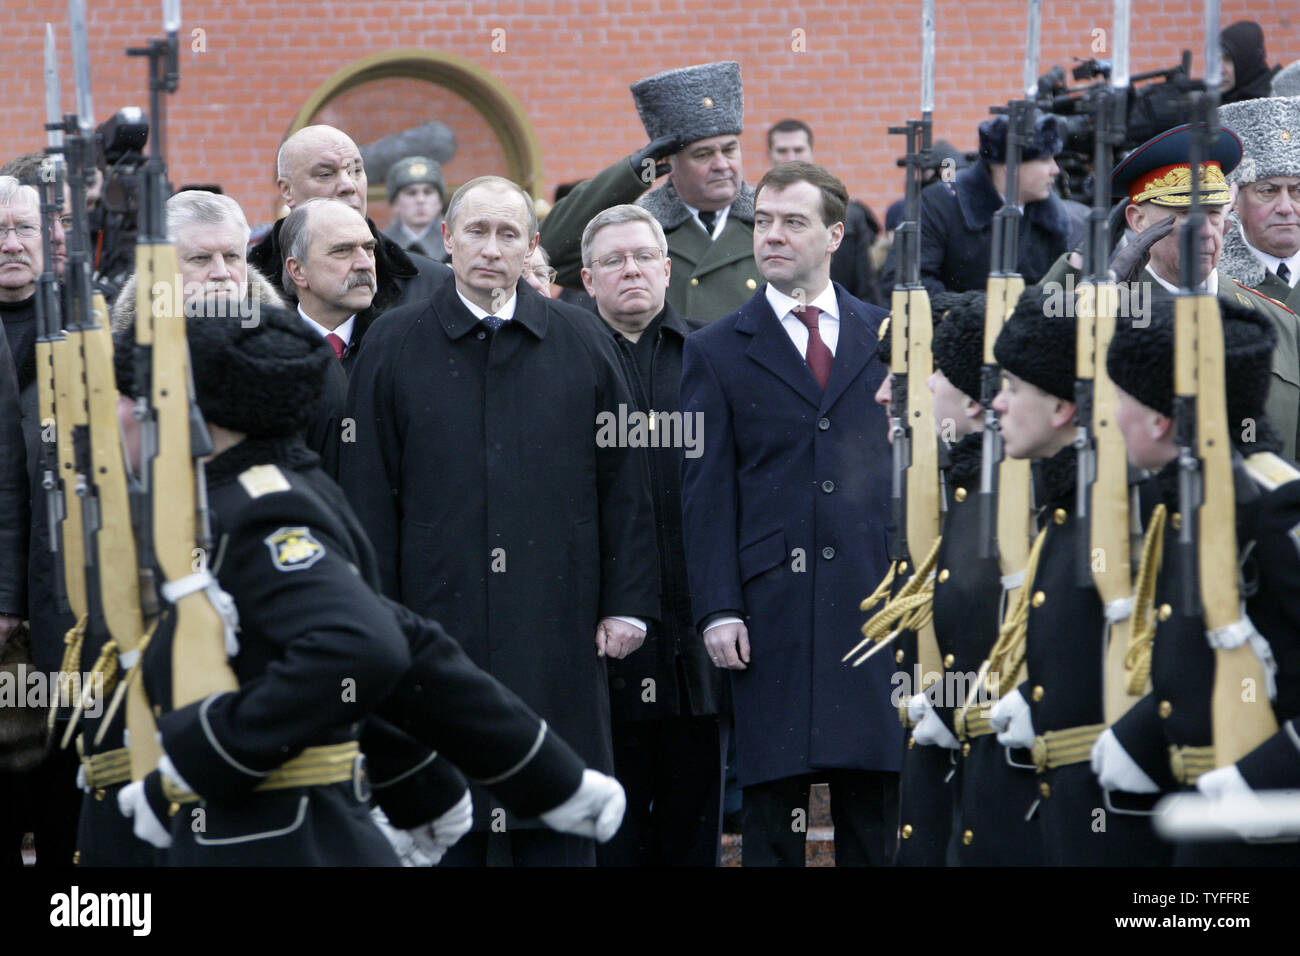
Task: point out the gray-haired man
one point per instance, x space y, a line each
664 701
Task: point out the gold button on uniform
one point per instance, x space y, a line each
751 284
694 281
911 742
99 794
1165 708
76 857
173 809
967 838
898 657
902 567
943 575
965 750
1059 516
960 494
1045 789
1164 612
949 660
907 831
1039 599
1038 693
1176 521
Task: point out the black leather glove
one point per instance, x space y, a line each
648 162
1127 263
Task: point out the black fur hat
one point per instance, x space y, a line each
1038 345
958 342
1140 359
1046 142
266 380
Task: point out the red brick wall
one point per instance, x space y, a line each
570 63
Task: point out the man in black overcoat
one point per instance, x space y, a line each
492 505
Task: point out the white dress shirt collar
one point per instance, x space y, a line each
718 224
344 330
1272 262
507 311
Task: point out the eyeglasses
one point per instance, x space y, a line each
23 230
644 258
543 274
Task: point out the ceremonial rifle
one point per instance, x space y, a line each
55 382
49 330
114 622
174 536
1207 537
914 492
1102 489
1004 502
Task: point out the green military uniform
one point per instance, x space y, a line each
710 278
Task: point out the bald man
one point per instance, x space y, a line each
321 162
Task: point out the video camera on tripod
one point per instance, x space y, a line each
121 141
1151 109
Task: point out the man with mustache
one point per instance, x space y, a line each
693 117
321 162
329 264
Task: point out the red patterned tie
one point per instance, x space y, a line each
336 344
820 358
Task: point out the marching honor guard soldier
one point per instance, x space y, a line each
924 797
274 766
992 793
1058 628
1166 741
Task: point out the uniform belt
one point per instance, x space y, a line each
1188 763
1060 748
106 769
314 767
970 724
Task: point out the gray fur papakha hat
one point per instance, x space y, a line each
692 103
1287 80
1270 137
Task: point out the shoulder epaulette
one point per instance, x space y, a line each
263 480
1281 305
1270 470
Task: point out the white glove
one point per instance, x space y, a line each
1228 785
1116 769
1224 782
929 729
1012 720
595 809
133 803
168 770
436 838
402 841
